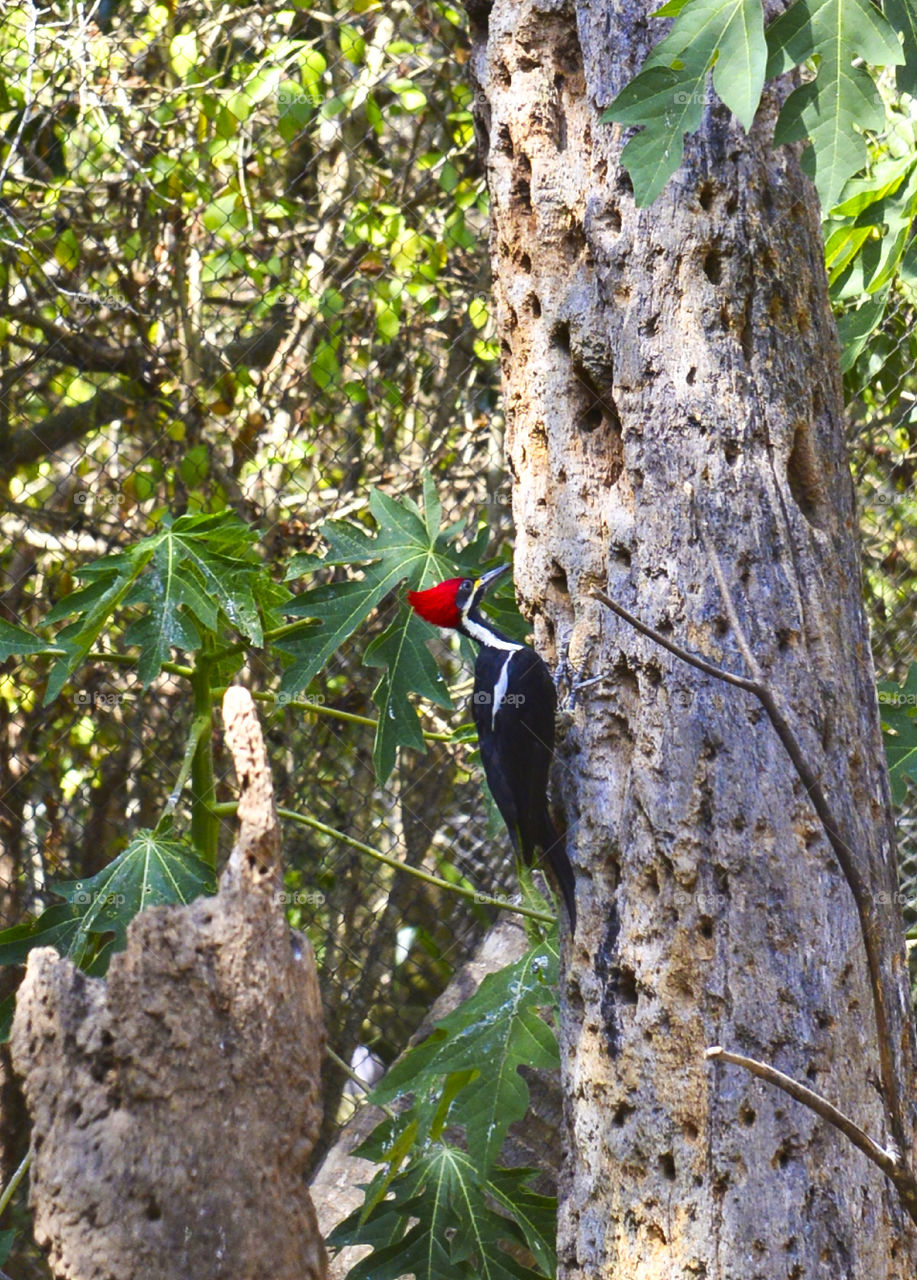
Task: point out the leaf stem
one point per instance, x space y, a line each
482 899
10 1189
200 726
333 713
205 829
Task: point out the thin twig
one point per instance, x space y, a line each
352 1075
888 1160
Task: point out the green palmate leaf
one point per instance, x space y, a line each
536 1215
855 328
668 96
111 580
898 709
874 241
149 872
408 545
409 668
196 575
843 99
14 641
456 1232
55 927
494 1033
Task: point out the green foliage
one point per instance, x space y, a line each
669 94
91 923
830 110
198 574
831 38
456 1233
869 250
15 641
409 545
898 708
463 1079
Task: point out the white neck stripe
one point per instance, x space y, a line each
484 635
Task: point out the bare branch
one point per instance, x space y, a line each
888 1160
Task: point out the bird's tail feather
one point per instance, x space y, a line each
556 854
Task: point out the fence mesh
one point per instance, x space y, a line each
243 263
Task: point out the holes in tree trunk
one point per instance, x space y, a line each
803 476
521 190
705 196
560 336
783 1155
667 1166
713 266
525 263
504 141
597 406
557 577
533 304
624 982
574 241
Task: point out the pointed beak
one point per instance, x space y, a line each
486 580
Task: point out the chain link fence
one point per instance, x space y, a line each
243 264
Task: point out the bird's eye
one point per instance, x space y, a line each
466 584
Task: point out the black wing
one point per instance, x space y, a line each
517 742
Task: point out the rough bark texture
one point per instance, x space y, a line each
645 350
174 1105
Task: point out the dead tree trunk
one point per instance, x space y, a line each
175 1104
671 376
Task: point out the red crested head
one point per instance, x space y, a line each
438 604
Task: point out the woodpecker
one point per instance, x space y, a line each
513 709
